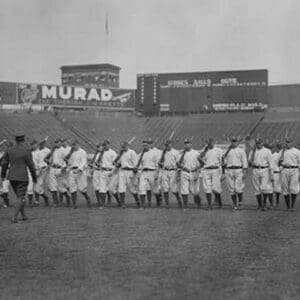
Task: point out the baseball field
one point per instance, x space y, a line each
62 253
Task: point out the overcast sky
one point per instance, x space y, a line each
38 36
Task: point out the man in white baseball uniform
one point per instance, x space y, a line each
277 170
189 173
77 164
236 165
168 168
104 171
212 173
157 181
260 159
147 163
126 162
4 191
41 169
64 178
290 163
56 180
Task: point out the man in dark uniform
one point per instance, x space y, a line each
19 158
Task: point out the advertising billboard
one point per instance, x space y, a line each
55 95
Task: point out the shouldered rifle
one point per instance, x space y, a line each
93 159
179 164
3 142
251 161
202 154
99 160
117 159
139 161
48 157
68 156
280 161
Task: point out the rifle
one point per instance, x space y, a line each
226 153
179 164
162 158
116 161
202 154
139 161
251 161
283 150
3 142
48 158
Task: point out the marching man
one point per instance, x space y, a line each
56 180
189 167
4 191
157 179
147 163
290 163
42 153
104 171
77 164
277 182
260 159
236 165
126 162
212 160
168 165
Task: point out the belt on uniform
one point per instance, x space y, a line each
146 170
56 166
260 167
189 171
276 172
234 167
290 167
170 169
106 169
211 168
74 168
127 169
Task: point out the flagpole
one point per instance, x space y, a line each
106 37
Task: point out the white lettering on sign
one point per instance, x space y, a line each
93 95
65 92
49 92
106 95
79 93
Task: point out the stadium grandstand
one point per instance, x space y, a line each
89 128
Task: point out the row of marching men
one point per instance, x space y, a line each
66 170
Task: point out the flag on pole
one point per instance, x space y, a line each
106 24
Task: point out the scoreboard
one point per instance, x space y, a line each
202 91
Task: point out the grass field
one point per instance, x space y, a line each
62 253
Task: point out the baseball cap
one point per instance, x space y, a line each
105 142
234 139
288 140
187 141
258 141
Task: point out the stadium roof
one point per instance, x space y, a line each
90 66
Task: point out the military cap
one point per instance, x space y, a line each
19 134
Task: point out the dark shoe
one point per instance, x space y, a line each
13 220
24 218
